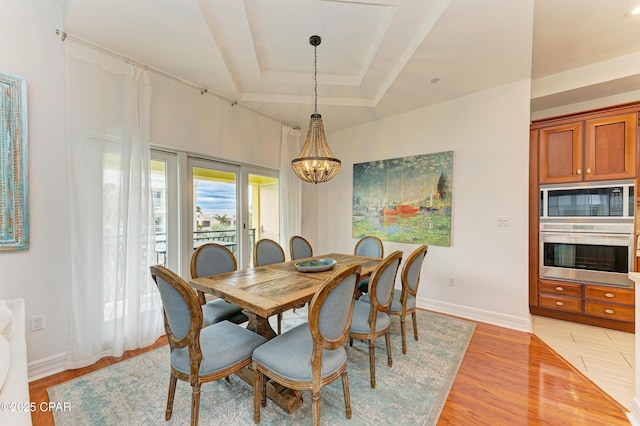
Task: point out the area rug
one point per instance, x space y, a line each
411 392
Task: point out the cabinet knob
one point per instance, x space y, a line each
609 311
559 288
579 171
559 303
609 295
588 171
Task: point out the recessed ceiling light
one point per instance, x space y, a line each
633 12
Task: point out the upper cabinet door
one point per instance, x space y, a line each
561 153
610 147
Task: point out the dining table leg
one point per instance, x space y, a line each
286 398
259 325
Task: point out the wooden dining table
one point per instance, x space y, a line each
268 290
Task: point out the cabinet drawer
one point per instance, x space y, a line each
560 288
610 310
609 294
568 304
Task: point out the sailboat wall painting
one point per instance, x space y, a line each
406 200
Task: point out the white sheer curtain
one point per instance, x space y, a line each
290 187
114 303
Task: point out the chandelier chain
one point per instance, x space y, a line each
315 79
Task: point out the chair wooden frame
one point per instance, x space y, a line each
374 308
320 342
257 263
291 247
192 341
410 287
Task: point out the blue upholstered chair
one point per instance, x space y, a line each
211 259
267 252
372 247
312 354
198 355
299 248
404 301
371 320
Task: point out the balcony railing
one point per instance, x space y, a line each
227 238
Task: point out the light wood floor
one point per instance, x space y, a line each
506 378
607 357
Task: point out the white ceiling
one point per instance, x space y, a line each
377 58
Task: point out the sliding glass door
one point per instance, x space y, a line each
233 206
197 201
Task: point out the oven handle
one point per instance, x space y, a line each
587 238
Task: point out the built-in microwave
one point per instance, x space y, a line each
587 200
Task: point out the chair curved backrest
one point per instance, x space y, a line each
381 284
411 273
182 313
369 246
331 310
299 247
266 252
212 258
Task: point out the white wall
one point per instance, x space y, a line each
41 274
208 125
489 135
180 118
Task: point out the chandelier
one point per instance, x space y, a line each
315 163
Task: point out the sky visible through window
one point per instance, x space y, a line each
216 198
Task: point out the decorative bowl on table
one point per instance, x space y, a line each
315 265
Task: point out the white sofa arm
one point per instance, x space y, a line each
14 393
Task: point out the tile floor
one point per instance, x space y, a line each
606 357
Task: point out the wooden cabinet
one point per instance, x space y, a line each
607 306
561 154
559 295
560 303
609 302
597 145
602 148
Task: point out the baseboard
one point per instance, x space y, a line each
494 318
47 366
634 415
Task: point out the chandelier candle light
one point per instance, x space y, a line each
316 162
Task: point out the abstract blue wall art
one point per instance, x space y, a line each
14 194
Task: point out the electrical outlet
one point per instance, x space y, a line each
37 322
503 221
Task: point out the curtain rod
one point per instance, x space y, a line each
203 90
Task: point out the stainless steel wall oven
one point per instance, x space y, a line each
599 253
586 233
